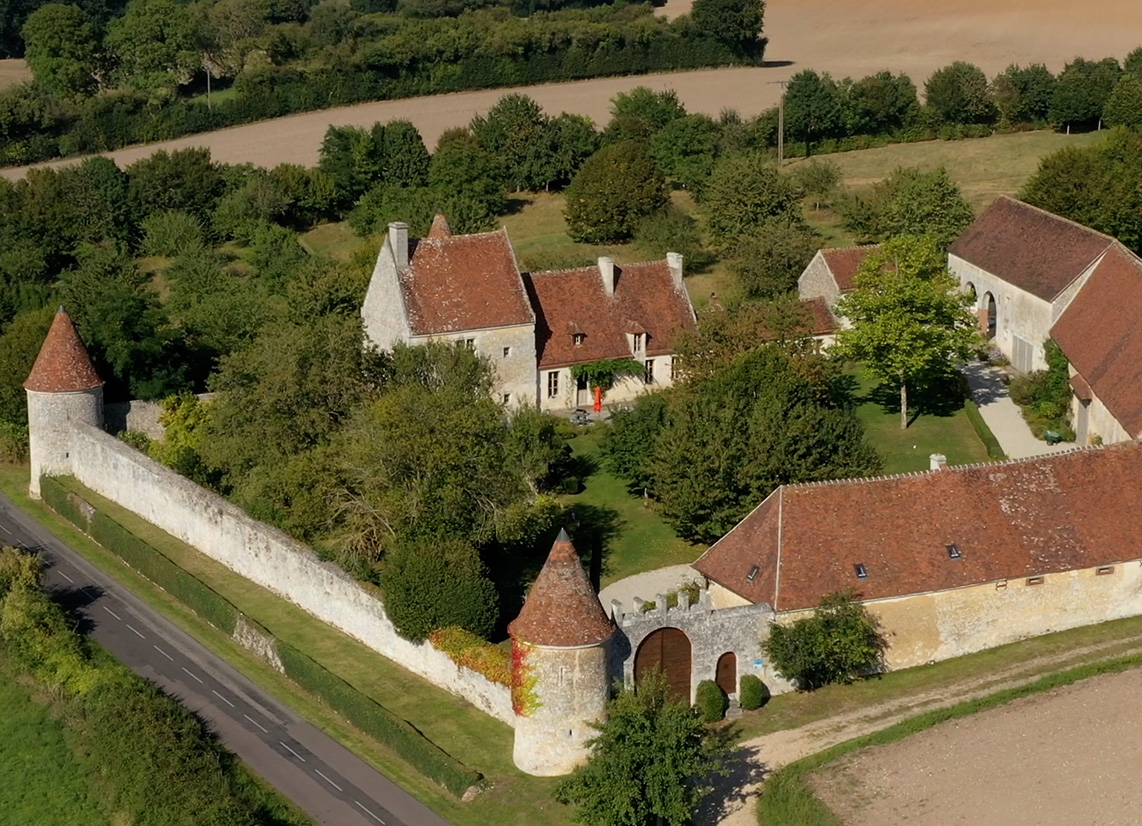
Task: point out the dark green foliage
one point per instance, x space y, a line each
19 346
1124 106
994 449
514 133
1023 94
686 150
186 180
1133 63
1045 395
653 109
818 180
167 575
60 500
466 181
535 449
910 202
880 104
438 584
959 93
171 233
746 193
596 212
1082 91
569 140
1094 186
378 722
769 262
839 643
814 107
377 208
711 702
61 47
752 693
672 230
652 762
737 23
628 445
727 440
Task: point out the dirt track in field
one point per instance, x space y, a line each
1066 757
844 37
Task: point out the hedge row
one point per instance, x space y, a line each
378 722
994 449
111 121
363 712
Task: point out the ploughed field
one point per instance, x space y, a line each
839 36
1055 759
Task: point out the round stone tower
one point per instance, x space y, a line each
560 677
63 390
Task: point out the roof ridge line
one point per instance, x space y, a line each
1055 215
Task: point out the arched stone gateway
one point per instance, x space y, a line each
667 650
988 316
726 674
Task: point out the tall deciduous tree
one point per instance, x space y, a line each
769 263
513 132
651 762
1124 106
1023 94
613 190
910 321
61 47
737 23
814 107
686 150
1082 91
909 202
880 104
745 193
654 109
157 45
958 93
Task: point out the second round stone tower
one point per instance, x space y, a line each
560 676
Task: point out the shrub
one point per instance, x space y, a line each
838 643
170 233
711 701
1045 395
378 722
752 693
475 653
672 230
13 443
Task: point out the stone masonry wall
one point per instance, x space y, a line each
267 557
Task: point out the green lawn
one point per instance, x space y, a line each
635 537
947 430
337 240
41 784
474 738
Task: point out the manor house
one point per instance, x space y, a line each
533 327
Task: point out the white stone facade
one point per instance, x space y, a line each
51 419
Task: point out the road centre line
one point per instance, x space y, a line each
65 576
256 723
136 630
330 782
291 751
112 613
220 697
370 814
191 673
164 653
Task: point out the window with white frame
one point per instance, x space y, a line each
553 384
470 343
639 342
577 339
648 376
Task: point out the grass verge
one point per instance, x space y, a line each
788 800
994 450
478 741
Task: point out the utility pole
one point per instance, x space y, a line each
780 120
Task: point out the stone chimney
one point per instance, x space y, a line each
937 461
607 271
398 240
674 262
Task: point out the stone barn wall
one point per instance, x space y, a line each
267 557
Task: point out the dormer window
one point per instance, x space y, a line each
577 338
639 342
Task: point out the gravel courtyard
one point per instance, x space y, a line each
1070 756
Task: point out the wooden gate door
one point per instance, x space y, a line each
666 650
727 673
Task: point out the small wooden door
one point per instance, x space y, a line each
582 394
668 651
727 672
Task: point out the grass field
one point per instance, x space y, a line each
945 430
637 538
477 740
41 784
13 71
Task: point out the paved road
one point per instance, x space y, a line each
1002 415
327 781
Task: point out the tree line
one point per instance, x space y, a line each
144 757
102 82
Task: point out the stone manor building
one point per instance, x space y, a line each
533 327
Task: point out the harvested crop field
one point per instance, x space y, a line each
1056 759
839 36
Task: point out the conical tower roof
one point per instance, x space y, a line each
63 365
440 227
562 609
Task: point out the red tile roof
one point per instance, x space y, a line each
1050 514
820 316
440 227
63 365
562 609
1101 335
574 301
456 283
1029 248
843 263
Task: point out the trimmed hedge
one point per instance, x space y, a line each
57 497
752 693
188 590
994 450
711 701
378 722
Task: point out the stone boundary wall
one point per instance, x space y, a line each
268 557
138 415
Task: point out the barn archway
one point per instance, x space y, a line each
988 322
726 674
668 651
